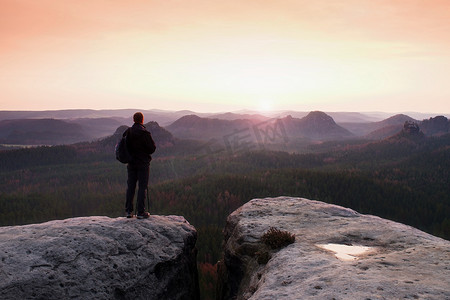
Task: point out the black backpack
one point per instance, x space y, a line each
122 153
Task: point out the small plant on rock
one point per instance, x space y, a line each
276 238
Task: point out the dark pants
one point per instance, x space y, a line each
137 173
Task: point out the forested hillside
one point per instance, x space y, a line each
404 178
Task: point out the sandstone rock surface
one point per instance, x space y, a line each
99 258
402 263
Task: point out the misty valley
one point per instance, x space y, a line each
61 164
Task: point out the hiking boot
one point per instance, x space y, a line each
129 214
144 215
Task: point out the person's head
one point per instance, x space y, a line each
138 118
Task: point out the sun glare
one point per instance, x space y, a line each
265 105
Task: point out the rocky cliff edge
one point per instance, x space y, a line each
392 260
99 258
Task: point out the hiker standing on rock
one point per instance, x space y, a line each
140 145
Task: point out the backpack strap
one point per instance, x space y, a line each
126 132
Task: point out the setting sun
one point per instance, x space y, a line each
265 105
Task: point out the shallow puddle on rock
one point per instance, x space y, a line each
346 252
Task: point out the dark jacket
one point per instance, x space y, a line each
140 144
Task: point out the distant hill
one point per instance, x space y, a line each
375 129
410 133
383 132
395 120
316 125
41 132
195 127
435 126
389 127
338 117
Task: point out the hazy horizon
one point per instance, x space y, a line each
369 115
214 56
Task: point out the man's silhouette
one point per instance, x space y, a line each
140 145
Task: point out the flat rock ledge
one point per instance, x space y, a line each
100 258
401 262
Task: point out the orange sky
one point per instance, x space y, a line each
332 55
